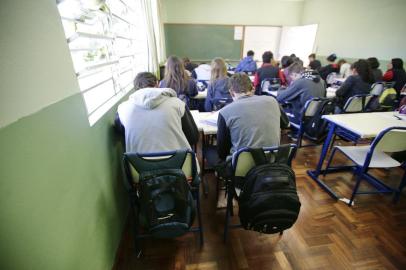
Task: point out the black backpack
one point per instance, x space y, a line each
268 202
315 127
165 202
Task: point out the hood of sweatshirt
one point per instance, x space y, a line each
149 98
311 75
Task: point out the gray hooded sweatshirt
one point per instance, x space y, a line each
152 119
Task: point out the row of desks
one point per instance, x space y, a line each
361 125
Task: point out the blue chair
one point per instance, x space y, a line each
374 156
242 162
137 163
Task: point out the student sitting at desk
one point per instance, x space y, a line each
345 68
202 72
189 66
330 67
305 86
267 70
177 79
286 61
314 64
218 86
359 83
154 119
396 73
376 71
240 124
247 64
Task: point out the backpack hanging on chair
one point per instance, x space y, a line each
268 201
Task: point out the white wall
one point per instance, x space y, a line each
358 28
247 12
36 68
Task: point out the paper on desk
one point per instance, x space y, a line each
210 119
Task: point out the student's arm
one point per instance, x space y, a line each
223 138
256 80
239 66
118 126
208 105
289 93
189 127
345 87
388 76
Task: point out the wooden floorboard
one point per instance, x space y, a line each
327 235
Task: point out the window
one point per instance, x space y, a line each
108 45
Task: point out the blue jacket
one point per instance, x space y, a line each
219 89
247 64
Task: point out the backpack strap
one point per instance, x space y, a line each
282 156
259 156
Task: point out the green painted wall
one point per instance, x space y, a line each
202 42
62 201
358 29
34 57
256 12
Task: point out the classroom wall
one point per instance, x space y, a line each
256 12
358 29
62 201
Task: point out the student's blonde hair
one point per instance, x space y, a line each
175 75
218 69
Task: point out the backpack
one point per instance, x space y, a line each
268 202
315 127
166 204
388 97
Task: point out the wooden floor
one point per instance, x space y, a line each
327 234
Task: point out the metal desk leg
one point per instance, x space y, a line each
204 180
314 174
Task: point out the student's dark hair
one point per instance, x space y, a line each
312 55
267 57
286 61
397 63
144 79
175 75
332 57
364 70
373 62
293 55
250 53
240 83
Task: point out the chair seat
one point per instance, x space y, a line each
358 154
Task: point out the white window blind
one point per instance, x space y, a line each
107 41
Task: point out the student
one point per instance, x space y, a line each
240 124
189 66
267 70
376 72
358 83
177 79
396 73
154 119
286 61
287 71
247 64
314 64
345 68
330 67
218 86
202 72
305 86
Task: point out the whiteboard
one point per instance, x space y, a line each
298 40
261 39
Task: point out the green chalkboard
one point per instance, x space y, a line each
202 42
